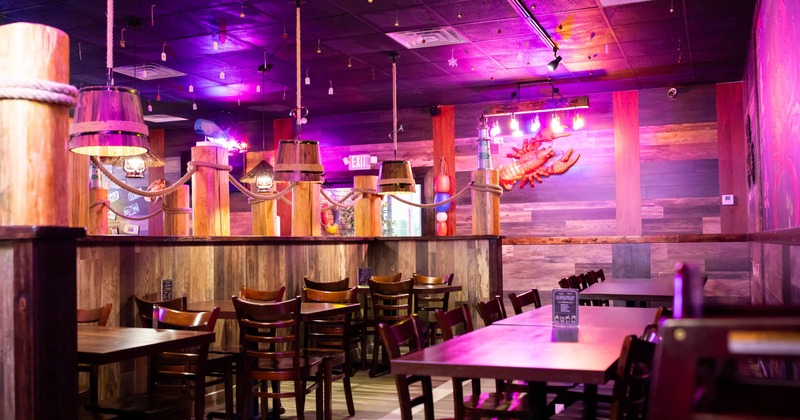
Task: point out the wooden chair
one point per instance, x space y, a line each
182 373
426 304
492 311
144 308
705 367
629 398
407 332
531 297
331 339
262 295
89 316
564 283
270 339
478 404
391 303
333 286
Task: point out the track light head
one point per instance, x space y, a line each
553 65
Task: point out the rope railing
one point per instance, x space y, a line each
255 197
39 91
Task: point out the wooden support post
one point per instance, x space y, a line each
444 150
627 168
37 311
155 225
78 190
177 224
485 205
264 213
98 215
210 194
306 218
367 213
282 129
33 135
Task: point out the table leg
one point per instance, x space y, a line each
590 401
537 400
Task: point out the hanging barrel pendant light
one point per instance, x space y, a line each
395 176
108 119
298 160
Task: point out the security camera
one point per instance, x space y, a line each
672 92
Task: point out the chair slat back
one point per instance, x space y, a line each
492 311
391 302
174 319
262 295
392 278
401 334
449 321
269 330
99 315
145 308
520 301
333 286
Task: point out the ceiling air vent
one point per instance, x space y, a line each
609 3
148 71
425 38
162 118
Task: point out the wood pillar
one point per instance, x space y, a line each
485 205
177 224
444 153
33 135
98 215
210 193
78 179
306 218
732 156
282 129
155 225
367 213
264 213
627 171
38 340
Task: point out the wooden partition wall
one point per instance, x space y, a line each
113 269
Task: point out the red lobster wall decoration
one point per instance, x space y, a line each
530 160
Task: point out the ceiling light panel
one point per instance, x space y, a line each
425 38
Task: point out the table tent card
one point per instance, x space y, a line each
565 307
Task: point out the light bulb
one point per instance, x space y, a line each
495 129
514 123
578 122
330 89
149 107
191 88
517 133
308 80
536 125
163 56
222 75
555 124
194 106
258 88
216 46
144 73
164 52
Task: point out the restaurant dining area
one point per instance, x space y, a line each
399 209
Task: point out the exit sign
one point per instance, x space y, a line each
358 162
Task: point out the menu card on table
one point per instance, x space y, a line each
364 274
565 308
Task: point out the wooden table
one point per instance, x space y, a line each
308 310
630 290
422 289
102 345
533 353
588 317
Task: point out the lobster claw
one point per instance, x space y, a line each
565 162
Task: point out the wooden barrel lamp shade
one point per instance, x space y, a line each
395 176
298 160
109 122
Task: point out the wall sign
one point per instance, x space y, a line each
359 162
565 307
364 274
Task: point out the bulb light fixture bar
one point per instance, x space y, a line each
531 107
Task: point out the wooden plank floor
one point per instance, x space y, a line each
376 398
